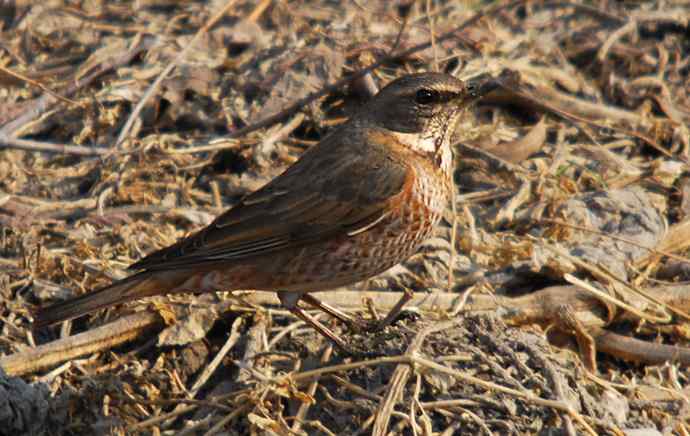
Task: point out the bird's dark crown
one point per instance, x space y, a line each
424 88
408 103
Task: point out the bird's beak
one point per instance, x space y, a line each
482 85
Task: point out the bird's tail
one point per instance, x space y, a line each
139 285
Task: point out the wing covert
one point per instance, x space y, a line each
334 188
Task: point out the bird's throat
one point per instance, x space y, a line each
435 148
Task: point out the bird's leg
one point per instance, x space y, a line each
395 311
359 323
290 302
333 311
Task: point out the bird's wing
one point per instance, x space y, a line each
335 188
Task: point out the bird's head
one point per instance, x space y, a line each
422 109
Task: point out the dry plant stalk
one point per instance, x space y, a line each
213 108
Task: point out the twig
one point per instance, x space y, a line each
557 382
160 418
537 307
635 350
602 273
318 425
568 322
199 425
99 339
479 421
457 402
576 109
218 144
612 300
258 11
528 397
31 145
262 152
208 371
311 390
284 332
156 84
630 26
299 104
432 34
398 381
430 364
47 101
256 344
220 424
356 389
414 404
677 238
38 85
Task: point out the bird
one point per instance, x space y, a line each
354 205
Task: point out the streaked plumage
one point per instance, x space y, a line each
354 205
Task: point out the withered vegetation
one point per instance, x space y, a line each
553 299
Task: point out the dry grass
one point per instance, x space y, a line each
126 125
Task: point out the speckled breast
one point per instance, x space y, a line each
350 259
409 225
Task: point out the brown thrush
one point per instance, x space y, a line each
351 207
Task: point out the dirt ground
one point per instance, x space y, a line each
553 298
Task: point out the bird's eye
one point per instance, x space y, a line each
426 96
